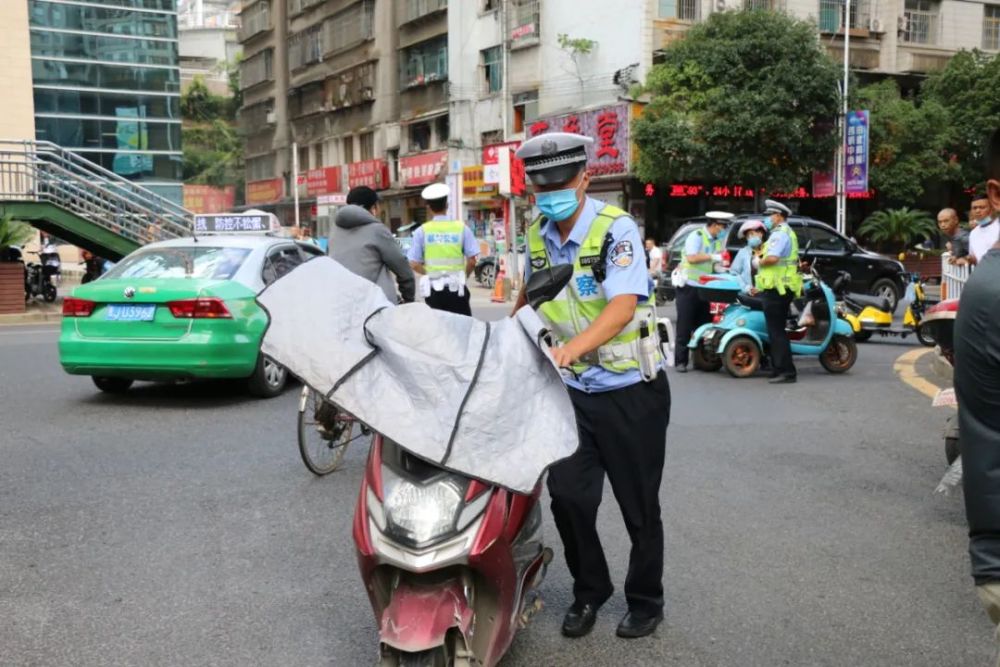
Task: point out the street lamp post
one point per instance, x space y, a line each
841 162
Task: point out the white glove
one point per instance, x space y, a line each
716 257
755 262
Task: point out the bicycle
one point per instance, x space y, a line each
325 432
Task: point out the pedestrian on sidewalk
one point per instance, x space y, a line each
444 253
954 239
622 403
365 246
985 230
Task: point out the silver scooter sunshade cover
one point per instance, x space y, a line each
481 399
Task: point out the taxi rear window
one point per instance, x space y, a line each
202 262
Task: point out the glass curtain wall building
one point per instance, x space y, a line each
107 85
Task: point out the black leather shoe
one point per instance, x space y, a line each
636 625
783 379
579 620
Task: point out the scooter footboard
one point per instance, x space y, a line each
419 616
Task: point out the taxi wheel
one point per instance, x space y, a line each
112 385
268 379
741 357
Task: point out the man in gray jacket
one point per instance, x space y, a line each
365 246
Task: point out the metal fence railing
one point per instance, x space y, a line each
953 277
40 171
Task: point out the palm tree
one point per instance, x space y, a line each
12 233
898 226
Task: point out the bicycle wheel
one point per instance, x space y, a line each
324 433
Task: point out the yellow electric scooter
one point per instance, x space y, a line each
870 315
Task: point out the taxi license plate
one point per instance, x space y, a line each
130 313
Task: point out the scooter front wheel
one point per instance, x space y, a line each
839 355
925 337
741 357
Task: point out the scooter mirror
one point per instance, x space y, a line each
545 284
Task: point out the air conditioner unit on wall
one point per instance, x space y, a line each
720 5
874 25
271 118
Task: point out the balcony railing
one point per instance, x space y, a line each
831 16
411 10
255 19
524 23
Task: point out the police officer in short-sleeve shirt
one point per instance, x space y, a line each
622 401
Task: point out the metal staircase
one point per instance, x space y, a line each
59 192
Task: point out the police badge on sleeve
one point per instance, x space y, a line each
622 254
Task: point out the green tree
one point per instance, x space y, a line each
908 143
12 233
745 97
968 88
900 227
199 104
213 154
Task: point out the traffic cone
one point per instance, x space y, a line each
497 296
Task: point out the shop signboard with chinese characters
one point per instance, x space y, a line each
856 153
422 169
266 191
475 188
324 181
373 173
610 154
208 199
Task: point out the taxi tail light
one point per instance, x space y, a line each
211 308
73 307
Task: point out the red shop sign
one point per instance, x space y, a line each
610 154
323 181
422 169
373 173
266 191
491 153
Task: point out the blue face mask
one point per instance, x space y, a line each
769 223
753 241
985 221
557 205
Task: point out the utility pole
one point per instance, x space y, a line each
841 155
509 213
295 180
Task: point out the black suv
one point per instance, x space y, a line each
871 273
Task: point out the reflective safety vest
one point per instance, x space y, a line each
709 246
583 299
443 246
784 275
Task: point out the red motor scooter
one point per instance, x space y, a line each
451 564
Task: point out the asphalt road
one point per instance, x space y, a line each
176 525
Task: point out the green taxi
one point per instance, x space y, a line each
179 310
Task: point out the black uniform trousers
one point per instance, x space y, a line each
445 299
623 434
776 307
692 312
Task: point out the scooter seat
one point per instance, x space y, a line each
751 302
866 300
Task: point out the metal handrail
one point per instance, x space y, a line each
43 171
953 277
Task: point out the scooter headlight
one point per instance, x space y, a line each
420 512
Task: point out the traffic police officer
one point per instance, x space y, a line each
778 282
622 405
702 249
444 252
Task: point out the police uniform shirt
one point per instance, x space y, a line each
626 274
779 244
470 246
695 245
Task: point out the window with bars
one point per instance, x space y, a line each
349 27
831 15
260 168
256 69
420 137
298 6
525 18
255 18
684 10
991 27
411 10
424 63
305 47
490 60
921 19
254 117
348 149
